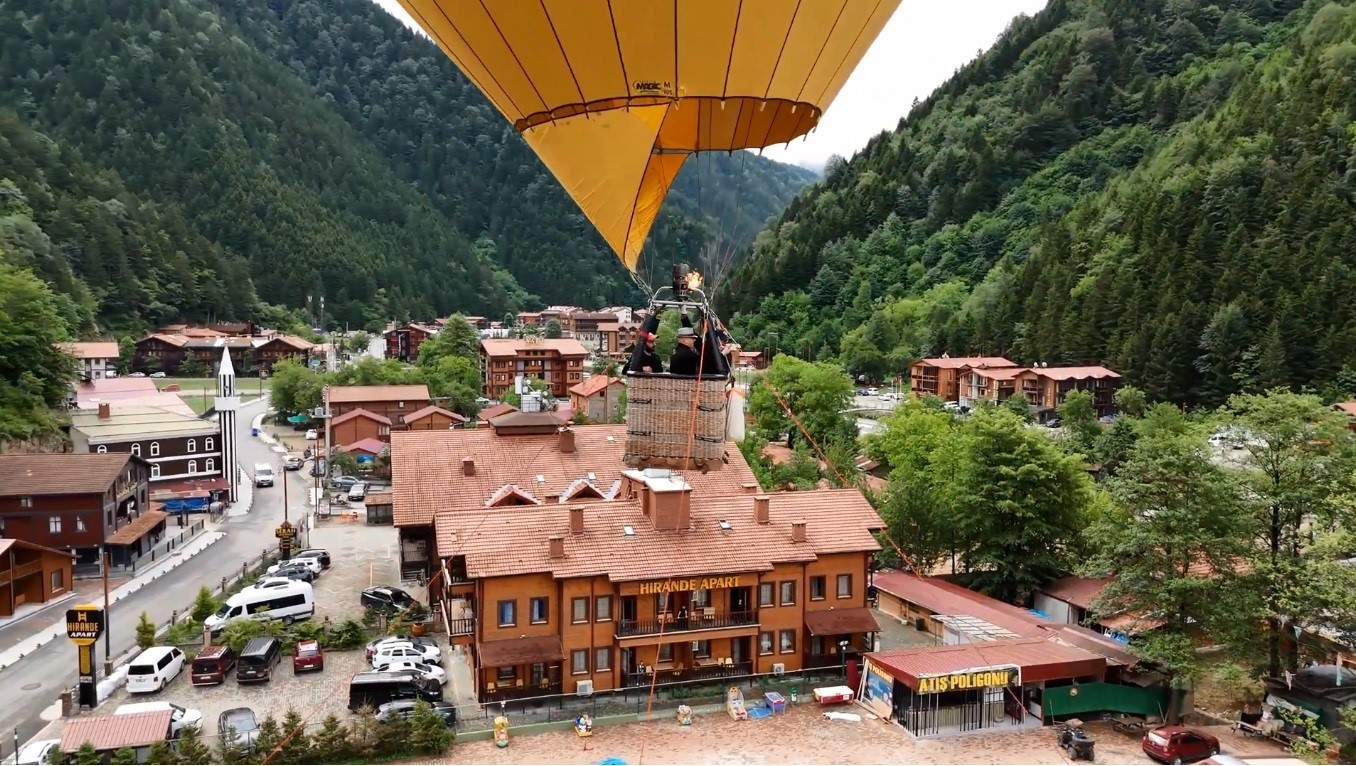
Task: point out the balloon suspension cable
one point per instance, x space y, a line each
858 483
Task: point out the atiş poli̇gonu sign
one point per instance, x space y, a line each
955 682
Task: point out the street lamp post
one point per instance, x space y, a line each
842 657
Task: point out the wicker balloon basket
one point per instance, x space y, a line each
659 417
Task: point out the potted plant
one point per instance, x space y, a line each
417 617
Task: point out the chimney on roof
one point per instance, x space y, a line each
797 531
762 505
468 466
557 549
576 521
670 501
566 440
751 487
645 499
105 412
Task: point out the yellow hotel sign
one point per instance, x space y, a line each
982 679
693 583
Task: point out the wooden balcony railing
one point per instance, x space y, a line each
464 626
671 676
526 691
22 570
672 624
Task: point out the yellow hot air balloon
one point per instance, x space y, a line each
613 95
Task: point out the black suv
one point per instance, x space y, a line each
387 599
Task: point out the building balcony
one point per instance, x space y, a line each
465 626
495 692
668 623
687 675
21 571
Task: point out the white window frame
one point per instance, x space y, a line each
192 447
155 471
136 449
192 466
209 444
155 449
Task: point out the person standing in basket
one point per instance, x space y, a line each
648 361
686 359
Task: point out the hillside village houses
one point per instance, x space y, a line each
252 351
184 451
966 380
94 360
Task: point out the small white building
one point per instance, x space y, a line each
95 360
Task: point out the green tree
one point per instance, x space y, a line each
1115 445
429 734
1079 420
161 754
1299 459
1018 503
457 338
145 631
34 374
551 330
87 755
191 748
296 743
230 748
295 388
127 350
331 743
920 445
123 756
1131 401
204 604
268 743
1173 547
816 394
1018 406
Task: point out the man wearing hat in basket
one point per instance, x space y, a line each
648 360
686 358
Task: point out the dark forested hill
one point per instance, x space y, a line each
1163 187
327 149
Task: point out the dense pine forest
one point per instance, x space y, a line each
1164 187
192 158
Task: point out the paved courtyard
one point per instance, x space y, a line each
801 736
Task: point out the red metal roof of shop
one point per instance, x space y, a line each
1039 659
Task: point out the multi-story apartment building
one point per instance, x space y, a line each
559 362
657 586
1044 388
598 332
940 377
94 360
390 403
180 449
273 350
403 342
80 503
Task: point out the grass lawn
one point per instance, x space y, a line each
243 386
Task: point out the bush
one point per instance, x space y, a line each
204 605
429 734
87 755
123 756
160 754
145 631
191 748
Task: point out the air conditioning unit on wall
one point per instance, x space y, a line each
583 688
779 668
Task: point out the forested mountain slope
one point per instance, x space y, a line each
1163 187
330 150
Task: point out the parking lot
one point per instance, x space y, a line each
361 556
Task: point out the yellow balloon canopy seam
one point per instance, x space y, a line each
613 95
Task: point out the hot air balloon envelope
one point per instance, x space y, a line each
613 95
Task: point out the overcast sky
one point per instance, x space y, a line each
923 44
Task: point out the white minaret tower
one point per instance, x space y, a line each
227 403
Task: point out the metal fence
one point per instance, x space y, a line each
637 700
162 550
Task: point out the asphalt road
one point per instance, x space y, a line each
35 682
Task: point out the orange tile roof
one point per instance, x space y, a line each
1347 407
9 542
506 541
511 347
301 344
427 469
594 385
60 473
956 362
358 394
1075 373
361 413
433 409
378 498
490 413
91 349
110 732
998 373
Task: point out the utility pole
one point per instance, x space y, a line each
108 634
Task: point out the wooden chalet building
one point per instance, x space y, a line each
403 342
31 574
391 403
280 347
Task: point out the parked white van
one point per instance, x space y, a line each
180 717
289 603
154 668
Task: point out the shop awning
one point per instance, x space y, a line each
138 529
521 651
839 622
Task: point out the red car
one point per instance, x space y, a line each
1178 744
307 655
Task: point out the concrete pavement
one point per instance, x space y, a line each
35 682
